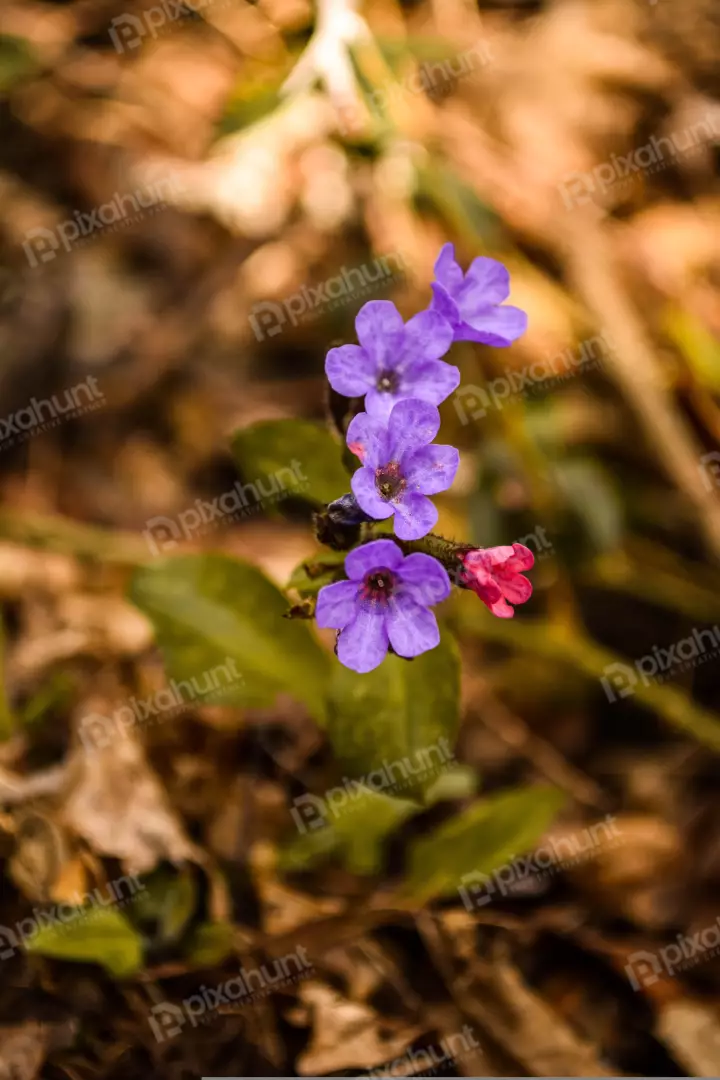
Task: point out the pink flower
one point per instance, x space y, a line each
494 574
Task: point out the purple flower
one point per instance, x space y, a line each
399 468
473 303
385 602
394 360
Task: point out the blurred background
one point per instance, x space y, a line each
195 201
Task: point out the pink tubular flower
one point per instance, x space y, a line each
494 574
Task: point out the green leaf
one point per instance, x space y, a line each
311 575
93 935
396 726
457 203
480 840
220 621
292 458
166 902
17 61
211 944
351 821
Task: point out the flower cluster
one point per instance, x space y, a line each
398 369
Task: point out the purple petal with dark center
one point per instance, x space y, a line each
337 604
431 469
377 555
363 643
362 483
425 579
350 370
415 516
412 424
443 303
486 282
428 336
367 438
447 271
379 329
412 629
430 380
498 326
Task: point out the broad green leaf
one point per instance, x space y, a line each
91 935
220 623
478 841
395 727
309 577
349 820
211 944
459 782
166 902
290 458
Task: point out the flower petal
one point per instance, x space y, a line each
350 370
363 643
367 438
498 326
428 336
443 303
415 516
377 555
379 328
380 403
425 579
336 604
431 469
412 424
447 270
521 559
430 380
486 282
412 629
363 484
514 587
